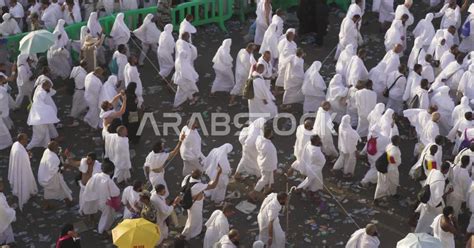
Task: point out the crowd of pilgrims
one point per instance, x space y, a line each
430 97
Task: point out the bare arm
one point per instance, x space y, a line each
213 184
176 149
270 233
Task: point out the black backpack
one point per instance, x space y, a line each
187 201
425 194
382 163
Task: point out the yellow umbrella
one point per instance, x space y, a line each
135 233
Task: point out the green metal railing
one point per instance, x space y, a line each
204 11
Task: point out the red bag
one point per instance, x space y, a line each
114 202
372 146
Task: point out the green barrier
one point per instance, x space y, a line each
204 11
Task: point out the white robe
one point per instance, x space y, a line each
425 30
387 183
270 41
262 21
394 35
324 128
59 61
348 35
217 226
185 75
218 157
356 71
269 212
293 81
378 78
42 116
186 26
267 161
157 161
165 51
286 49
99 189
360 239
385 9
225 242
193 226
446 238
224 80
130 197
7 217
365 101
93 86
20 174
470 206
131 74
120 33
347 144
381 143
461 182
450 17
120 157
51 179
417 54
49 17
190 150
244 63
163 210
79 104
248 137
392 61
122 61
313 88
466 85
313 161
467 43
344 59
257 107
428 211
445 108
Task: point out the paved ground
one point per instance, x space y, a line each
325 221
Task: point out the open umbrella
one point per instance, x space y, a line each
36 42
419 240
135 233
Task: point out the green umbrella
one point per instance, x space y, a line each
36 42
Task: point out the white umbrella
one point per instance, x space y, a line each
419 240
36 42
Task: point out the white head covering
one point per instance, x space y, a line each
94 26
394 33
270 40
378 77
258 243
60 28
84 33
386 122
108 90
217 156
471 8
22 60
148 32
313 84
120 29
345 57
166 38
442 99
9 25
57 40
222 56
377 112
255 129
348 137
415 53
336 88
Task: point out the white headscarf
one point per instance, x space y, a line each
386 122
22 60
416 54
84 33
336 88
57 40
348 137
378 77
442 99
313 84
461 109
218 156
148 32
254 130
222 59
375 115
270 41
9 25
120 30
394 34
94 26
436 49
166 40
344 58
108 90
425 29
60 28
